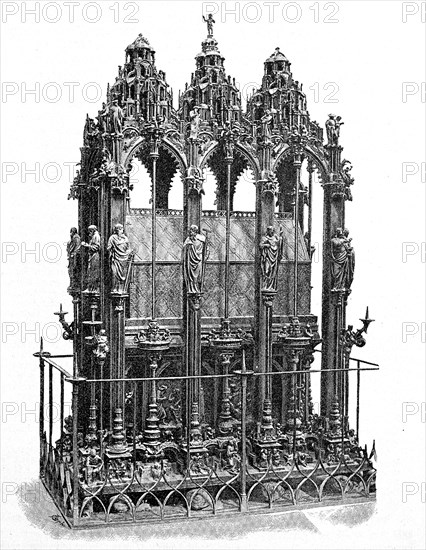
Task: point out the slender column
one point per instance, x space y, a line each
228 161
194 346
297 162
61 418
154 156
192 303
90 342
268 334
225 418
154 341
265 209
334 213
152 430
103 231
358 389
243 471
50 405
310 195
92 411
225 342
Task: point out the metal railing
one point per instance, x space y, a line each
91 485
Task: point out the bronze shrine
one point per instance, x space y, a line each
193 381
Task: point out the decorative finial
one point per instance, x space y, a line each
366 321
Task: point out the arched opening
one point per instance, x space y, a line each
245 192
176 192
139 178
169 184
169 229
216 181
210 186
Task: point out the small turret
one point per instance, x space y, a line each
140 48
215 93
140 90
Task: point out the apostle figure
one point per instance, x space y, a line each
194 255
93 264
116 116
337 131
351 259
266 124
271 253
333 129
118 249
194 115
348 180
73 252
103 119
330 127
342 261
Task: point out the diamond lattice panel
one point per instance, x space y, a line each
241 290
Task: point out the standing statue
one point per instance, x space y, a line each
333 129
116 117
271 253
351 259
348 180
194 256
266 123
330 127
119 250
337 131
342 261
227 137
194 116
103 119
210 22
90 130
73 252
93 265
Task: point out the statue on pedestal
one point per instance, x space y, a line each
194 115
194 256
333 129
342 260
210 22
93 265
116 117
266 121
271 253
73 252
119 250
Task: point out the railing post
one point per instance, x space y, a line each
42 446
41 354
358 386
50 405
75 451
61 419
243 466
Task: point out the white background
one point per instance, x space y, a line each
369 53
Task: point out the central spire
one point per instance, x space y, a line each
211 90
